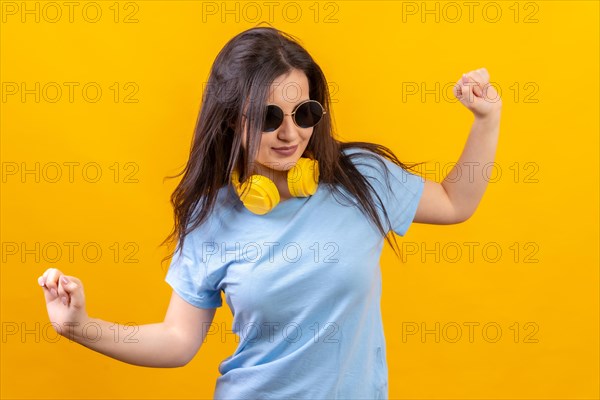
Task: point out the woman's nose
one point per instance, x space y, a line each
288 129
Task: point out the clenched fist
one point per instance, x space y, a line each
476 93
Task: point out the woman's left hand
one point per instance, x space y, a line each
476 93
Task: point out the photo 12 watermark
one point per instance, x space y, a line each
473 252
72 172
89 92
290 331
53 332
326 12
518 172
423 92
469 332
270 252
291 91
488 12
50 252
70 12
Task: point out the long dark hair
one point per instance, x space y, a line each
241 76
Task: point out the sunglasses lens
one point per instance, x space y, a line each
273 119
309 114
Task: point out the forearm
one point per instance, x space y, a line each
151 345
468 179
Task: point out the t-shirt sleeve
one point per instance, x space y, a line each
403 195
188 276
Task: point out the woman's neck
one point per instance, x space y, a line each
278 177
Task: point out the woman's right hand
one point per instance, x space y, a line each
65 301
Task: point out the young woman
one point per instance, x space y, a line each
289 224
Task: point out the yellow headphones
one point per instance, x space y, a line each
263 196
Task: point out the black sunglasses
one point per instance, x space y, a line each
306 115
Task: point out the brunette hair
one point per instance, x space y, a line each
244 69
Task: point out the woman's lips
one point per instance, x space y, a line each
285 151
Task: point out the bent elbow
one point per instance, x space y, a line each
176 364
176 360
181 361
462 217
186 357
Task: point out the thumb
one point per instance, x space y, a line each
465 91
468 80
74 288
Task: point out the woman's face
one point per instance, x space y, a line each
287 91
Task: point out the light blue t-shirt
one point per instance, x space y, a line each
303 283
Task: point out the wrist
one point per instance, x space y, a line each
75 331
492 117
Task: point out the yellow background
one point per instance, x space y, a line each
550 209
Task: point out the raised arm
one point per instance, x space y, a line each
456 198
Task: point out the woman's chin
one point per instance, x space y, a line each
280 164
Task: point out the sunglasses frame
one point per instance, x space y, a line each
293 114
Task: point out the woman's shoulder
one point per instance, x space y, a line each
365 160
356 150
361 153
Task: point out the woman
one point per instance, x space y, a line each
289 224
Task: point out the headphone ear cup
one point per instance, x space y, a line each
262 195
303 178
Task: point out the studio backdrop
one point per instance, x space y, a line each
99 101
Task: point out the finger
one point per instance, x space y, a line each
52 281
473 79
485 76
62 293
74 289
47 295
488 91
481 76
44 276
463 91
46 273
457 89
